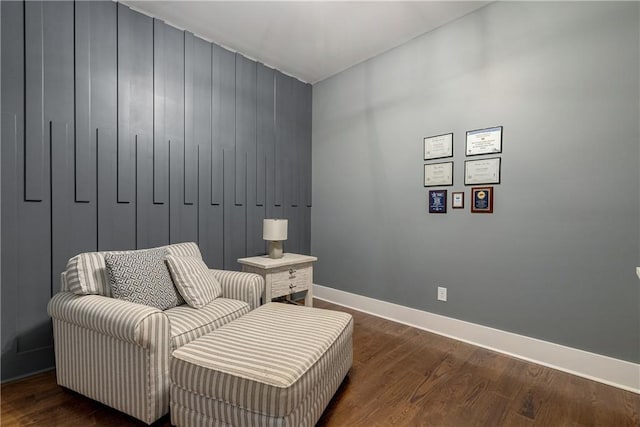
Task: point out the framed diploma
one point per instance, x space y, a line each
484 141
484 171
438 174
482 199
438 201
457 200
437 147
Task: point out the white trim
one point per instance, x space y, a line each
614 372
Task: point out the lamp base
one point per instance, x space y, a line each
275 249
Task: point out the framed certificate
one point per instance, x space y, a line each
482 199
457 200
484 141
438 201
438 174
483 171
437 147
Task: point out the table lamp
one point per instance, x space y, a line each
275 231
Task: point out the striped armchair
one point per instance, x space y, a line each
117 352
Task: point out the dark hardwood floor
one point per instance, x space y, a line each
401 376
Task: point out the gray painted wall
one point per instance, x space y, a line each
134 134
556 260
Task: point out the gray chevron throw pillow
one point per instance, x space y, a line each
142 277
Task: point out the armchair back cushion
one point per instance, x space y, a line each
86 273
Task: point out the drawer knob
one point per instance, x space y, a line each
292 270
291 286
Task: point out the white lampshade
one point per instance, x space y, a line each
274 229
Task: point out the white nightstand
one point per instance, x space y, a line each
283 276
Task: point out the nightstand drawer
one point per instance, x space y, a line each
290 280
291 274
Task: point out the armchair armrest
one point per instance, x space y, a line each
127 321
247 287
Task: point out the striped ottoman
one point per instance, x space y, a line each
279 365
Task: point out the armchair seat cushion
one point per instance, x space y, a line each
188 323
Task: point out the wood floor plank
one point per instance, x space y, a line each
401 376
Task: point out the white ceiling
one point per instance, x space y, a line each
310 40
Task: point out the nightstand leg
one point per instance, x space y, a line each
308 298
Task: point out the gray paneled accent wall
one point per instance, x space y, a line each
120 131
556 260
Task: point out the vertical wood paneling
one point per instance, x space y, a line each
300 153
95 77
191 64
265 154
302 148
119 131
294 215
265 126
268 140
159 231
182 217
223 116
12 137
305 230
125 98
73 218
95 60
305 143
14 223
125 157
34 143
63 238
245 123
224 142
135 122
234 216
245 165
283 104
33 212
160 137
296 152
84 145
115 167
210 216
255 212
286 166
125 169
58 96
12 50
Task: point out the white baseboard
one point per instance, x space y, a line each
604 369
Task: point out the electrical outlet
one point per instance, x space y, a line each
442 294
